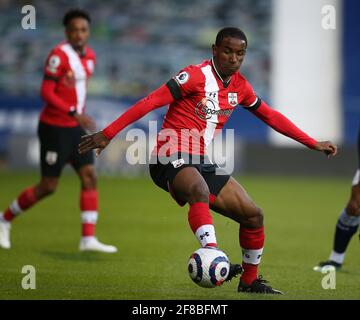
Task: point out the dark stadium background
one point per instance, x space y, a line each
139 46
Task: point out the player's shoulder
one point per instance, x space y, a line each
56 58
58 47
57 50
191 72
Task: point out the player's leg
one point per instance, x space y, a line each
83 165
235 203
52 160
24 201
347 225
189 186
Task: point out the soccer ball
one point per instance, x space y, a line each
208 267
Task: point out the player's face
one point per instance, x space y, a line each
229 55
77 32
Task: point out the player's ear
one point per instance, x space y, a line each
214 49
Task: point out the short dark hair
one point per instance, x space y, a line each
230 32
75 13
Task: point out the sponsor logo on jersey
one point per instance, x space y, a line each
182 77
205 109
178 163
232 99
51 157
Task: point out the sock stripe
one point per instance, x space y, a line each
252 256
346 227
201 223
15 208
206 234
347 220
252 243
89 217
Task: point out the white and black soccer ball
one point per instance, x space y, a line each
208 267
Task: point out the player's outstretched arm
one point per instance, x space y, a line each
283 125
156 99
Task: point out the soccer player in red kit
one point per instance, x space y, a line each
62 123
201 99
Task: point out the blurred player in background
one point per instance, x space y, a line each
62 122
347 224
202 98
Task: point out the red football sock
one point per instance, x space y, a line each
23 202
89 207
201 224
252 243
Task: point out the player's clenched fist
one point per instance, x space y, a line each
327 147
96 141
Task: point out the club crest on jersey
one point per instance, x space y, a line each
232 99
182 77
51 157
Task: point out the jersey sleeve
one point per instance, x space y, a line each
283 125
156 99
54 65
53 71
185 82
250 100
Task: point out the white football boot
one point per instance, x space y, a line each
93 244
5 227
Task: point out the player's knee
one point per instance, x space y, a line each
46 189
254 218
198 192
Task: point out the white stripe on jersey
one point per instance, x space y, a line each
211 87
356 179
256 100
80 76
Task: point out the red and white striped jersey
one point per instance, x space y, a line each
70 71
203 103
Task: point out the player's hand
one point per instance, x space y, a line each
93 141
327 147
85 121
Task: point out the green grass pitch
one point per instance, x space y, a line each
155 241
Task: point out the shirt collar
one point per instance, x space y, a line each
225 83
